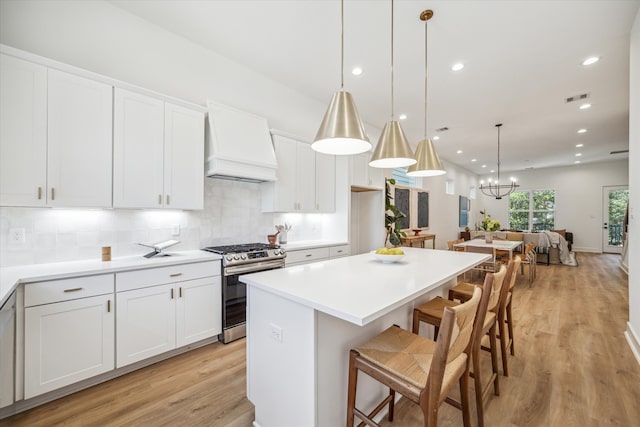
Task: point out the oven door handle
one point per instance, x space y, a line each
253 267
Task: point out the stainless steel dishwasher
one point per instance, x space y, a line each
7 351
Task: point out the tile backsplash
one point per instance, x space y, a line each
231 214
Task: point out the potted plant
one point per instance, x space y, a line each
392 216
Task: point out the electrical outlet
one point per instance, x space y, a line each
17 236
276 332
175 230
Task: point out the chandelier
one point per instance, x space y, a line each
494 188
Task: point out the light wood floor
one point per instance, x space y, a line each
572 367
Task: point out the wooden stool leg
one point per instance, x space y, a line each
510 327
392 404
351 394
464 399
503 347
478 388
494 359
416 322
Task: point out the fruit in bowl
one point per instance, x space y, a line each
388 254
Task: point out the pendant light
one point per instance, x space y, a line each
428 162
393 149
495 189
341 131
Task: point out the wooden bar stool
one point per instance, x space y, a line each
428 313
508 313
422 370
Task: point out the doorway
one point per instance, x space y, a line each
615 201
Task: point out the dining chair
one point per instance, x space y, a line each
507 317
431 313
451 244
422 370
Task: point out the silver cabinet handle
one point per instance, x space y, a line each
175 275
108 306
180 291
171 293
53 193
308 255
39 193
73 289
168 200
159 199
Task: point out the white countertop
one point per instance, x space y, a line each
360 289
11 277
309 244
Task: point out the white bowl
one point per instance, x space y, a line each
387 258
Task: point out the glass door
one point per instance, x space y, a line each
615 201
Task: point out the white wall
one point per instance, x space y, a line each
579 205
633 328
99 37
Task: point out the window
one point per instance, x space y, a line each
533 210
401 177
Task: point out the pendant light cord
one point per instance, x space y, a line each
392 98
342 44
425 78
498 126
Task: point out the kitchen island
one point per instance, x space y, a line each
302 321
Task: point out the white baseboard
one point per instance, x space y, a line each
584 249
624 267
633 340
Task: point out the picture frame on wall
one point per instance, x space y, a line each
463 211
414 203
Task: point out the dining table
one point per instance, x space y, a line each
503 245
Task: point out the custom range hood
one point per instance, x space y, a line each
239 145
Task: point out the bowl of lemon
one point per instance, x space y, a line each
388 255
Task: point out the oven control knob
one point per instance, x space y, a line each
236 257
276 252
229 258
243 256
281 251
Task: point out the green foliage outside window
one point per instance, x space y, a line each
532 210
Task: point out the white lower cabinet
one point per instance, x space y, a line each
154 319
306 256
70 340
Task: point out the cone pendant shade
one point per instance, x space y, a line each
341 131
429 163
393 150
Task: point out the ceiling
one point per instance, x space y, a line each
522 59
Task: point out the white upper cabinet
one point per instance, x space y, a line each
23 132
363 175
306 179
183 158
325 182
79 141
138 150
158 154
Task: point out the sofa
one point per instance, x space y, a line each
547 256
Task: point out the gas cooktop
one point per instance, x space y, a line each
247 253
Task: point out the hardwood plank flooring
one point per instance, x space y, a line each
572 367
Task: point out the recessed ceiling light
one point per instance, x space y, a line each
484 166
459 152
492 171
582 131
402 116
457 67
579 145
356 71
578 154
591 60
577 161
474 160
435 138
585 106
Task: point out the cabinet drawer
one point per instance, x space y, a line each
306 255
339 251
157 276
67 289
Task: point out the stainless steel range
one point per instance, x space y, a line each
237 260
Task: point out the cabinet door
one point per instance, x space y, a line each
138 151
23 132
285 186
183 158
198 310
79 141
306 177
146 323
363 175
67 342
325 182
